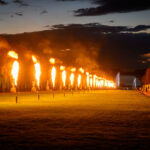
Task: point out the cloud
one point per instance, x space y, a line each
20 3
44 12
2 2
19 13
111 21
47 26
96 27
112 6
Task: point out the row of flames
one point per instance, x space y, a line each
92 81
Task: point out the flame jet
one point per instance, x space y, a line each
62 68
15 71
64 78
72 79
53 71
79 80
15 67
87 79
53 74
72 76
37 70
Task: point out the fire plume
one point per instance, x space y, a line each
73 69
64 78
72 79
37 70
79 80
53 74
34 59
15 71
62 68
52 61
87 79
81 70
13 54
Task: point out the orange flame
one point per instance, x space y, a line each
64 78
81 70
38 73
101 83
62 68
52 60
34 59
37 70
72 79
91 82
13 54
15 71
87 79
94 80
79 80
73 69
53 74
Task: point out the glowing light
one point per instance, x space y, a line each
13 54
106 83
15 71
101 83
37 70
72 79
79 80
64 78
34 59
87 79
97 83
62 68
94 80
52 60
53 74
81 70
73 69
91 82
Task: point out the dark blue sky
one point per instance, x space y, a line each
18 18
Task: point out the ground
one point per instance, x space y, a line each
106 119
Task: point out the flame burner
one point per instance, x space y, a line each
78 78
53 74
37 70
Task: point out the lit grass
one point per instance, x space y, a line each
106 119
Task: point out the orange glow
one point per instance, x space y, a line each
101 83
13 54
97 83
87 79
81 70
73 69
38 73
91 82
53 74
94 80
62 68
79 80
37 70
64 78
15 71
52 60
34 59
106 83
72 79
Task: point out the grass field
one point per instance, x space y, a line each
106 119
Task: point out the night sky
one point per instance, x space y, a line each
119 30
